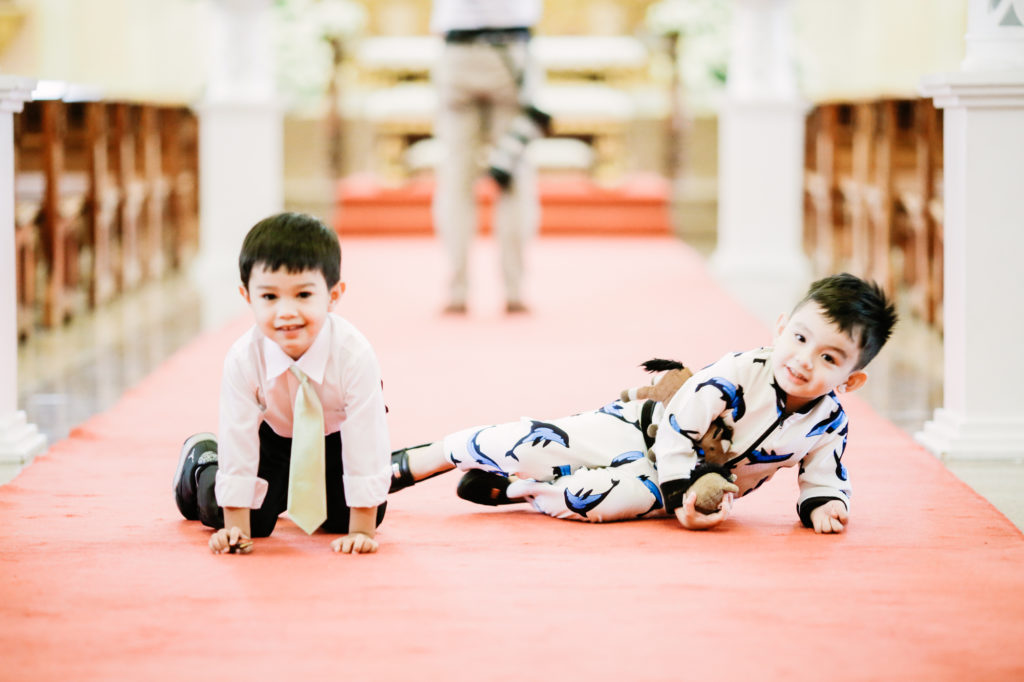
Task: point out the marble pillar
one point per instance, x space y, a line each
20 441
982 416
759 256
240 147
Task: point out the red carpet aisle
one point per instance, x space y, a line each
101 580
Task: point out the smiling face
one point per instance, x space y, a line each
812 357
290 307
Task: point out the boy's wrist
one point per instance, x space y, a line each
362 520
813 503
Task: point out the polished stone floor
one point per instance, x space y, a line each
68 374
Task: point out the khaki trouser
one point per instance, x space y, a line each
477 99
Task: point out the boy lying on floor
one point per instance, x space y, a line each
770 408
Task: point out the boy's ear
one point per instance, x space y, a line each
853 382
780 323
336 291
244 291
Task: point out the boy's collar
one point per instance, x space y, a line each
313 362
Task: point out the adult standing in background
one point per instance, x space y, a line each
485 76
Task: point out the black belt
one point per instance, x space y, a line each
487 35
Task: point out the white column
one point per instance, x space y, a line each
19 440
240 145
759 257
983 107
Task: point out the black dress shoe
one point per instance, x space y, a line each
484 487
197 453
401 477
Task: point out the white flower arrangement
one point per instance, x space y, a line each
701 29
305 31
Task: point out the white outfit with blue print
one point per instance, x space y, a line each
592 466
596 466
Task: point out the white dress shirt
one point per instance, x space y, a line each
451 15
257 387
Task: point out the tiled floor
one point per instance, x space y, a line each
66 375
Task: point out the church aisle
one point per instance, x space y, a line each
71 373
102 578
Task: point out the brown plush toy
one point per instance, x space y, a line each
673 376
710 488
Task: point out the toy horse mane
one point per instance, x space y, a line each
659 365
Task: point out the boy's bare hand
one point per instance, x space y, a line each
232 541
355 543
695 520
662 390
830 517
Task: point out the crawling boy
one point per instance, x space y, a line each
302 418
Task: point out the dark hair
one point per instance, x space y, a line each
858 307
293 241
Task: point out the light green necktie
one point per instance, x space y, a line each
307 492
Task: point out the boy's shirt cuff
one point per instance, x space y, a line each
366 491
246 492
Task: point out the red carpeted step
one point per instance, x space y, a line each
571 204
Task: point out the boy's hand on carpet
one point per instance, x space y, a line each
354 543
830 517
232 541
695 520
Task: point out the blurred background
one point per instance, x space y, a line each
152 124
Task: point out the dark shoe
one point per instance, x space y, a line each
401 477
197 453
483 487
455 308
516 307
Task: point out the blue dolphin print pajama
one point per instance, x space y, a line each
592 466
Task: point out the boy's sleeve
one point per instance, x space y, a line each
365 443
686 418
238 445
822 475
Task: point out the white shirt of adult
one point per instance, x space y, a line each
468 15
257 387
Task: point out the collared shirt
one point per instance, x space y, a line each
739 395
257 387
463 15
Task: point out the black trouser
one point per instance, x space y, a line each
275 456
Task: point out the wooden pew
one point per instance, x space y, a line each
819 188
179 144
104 201
828 186
88 153
105 196
918 212
27 209
154 188
29 191
873 196
127 263
40 137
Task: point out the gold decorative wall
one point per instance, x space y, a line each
561 17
